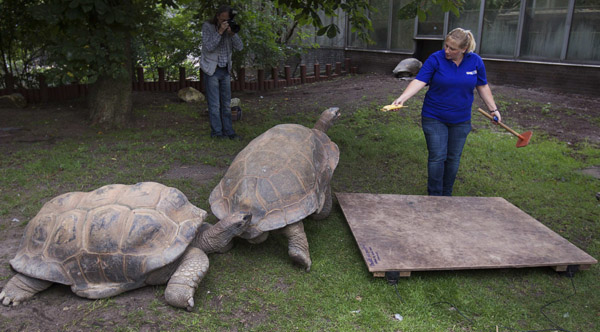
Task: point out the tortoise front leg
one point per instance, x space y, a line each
21 288
298 244
183 283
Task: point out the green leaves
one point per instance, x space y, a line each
85 37
89 38
101 7
422 8
331 30
306 12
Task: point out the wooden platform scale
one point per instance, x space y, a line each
407 233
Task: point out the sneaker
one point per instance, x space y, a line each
235 137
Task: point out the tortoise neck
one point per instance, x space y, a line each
322 125
210 237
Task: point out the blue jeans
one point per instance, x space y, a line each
218 97
445 142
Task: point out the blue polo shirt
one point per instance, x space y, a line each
450 95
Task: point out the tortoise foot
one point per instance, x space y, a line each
298 244
183 283
21 288
301 257
180 296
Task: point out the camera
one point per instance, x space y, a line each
235 28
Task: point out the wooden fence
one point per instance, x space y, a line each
277 80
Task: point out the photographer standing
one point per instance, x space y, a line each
218 42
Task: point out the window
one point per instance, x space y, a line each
468 19
354 41
402 29
433 26
584 41
552 30
544 28
500 26
340 21
380 20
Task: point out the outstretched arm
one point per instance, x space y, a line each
412 89
486 94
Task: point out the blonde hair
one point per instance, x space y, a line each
464 38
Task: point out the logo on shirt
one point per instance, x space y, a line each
474 72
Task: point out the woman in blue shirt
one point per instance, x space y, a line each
452 74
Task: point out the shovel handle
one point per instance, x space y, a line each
489 116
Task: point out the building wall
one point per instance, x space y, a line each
554 77
375 62
554 45
322 56
577 79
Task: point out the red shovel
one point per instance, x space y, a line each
523 138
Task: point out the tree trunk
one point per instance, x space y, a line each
110 99
110 102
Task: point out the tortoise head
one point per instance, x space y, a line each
327 119
217 237
237 222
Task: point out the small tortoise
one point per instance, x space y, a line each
118 238
281 177
407 67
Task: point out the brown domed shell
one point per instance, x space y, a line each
115 234
408 67
281 177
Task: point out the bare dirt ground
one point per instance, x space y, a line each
569 118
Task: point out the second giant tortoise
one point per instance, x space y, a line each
281 177
118 238
407 67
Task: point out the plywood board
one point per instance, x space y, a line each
408 233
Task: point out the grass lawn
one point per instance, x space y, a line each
257 288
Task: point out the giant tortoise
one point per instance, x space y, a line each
118 238
281 177
407 67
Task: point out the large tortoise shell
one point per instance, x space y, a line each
115 234
282 176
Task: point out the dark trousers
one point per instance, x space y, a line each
445 142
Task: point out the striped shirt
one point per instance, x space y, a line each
212 41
